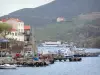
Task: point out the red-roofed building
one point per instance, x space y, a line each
17 28
3 20
15 19
27 27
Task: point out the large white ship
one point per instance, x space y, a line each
52 44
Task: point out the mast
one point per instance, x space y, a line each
34 47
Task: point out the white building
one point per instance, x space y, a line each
17 29
60 19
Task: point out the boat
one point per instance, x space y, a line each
66 52
7 66
52 44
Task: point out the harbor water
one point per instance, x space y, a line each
88 66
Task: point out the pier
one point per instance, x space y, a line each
69 59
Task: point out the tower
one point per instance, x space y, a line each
34 47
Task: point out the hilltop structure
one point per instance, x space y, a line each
61 19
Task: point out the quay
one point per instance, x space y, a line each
25 63
21 62
70 59
87 54
43 60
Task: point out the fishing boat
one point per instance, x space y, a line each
7 66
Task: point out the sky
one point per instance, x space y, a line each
8 6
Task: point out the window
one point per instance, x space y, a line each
10 33
18 33
18 30
21 24
15 34
21 30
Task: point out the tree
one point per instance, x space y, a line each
5 29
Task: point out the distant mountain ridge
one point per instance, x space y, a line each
48 13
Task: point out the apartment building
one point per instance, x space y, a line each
17 29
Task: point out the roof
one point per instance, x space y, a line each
3 20
27 27
15 19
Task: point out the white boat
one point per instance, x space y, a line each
52 44
66 52
7 66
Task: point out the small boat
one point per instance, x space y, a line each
7 66
75 59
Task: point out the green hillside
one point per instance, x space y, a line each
81 31
56 31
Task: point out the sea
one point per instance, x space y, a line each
88 66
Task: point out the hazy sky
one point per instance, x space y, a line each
8 6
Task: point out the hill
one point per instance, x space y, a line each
83 30
48 13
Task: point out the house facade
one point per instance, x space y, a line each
17 29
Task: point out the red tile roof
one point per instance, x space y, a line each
16 19
3 20
27 27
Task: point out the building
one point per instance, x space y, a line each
2 20
19 32
17 29
60 19
27 33
27 29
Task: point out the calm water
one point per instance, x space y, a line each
88 66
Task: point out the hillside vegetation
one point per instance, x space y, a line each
83 31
